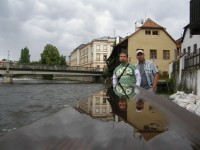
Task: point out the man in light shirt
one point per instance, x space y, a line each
148 71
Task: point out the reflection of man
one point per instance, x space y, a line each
125 76
148 72
139 105
122 103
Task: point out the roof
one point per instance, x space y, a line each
104 38
151 24
185 29
79 47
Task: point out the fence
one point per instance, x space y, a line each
192 60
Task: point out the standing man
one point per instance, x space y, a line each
148 72
125 76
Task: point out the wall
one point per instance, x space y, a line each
86 79
198 82
190 81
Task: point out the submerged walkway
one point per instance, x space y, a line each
161 125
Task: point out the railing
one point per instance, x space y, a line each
192 60
50 67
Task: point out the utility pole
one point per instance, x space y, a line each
8 56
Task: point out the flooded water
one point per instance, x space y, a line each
102 120
25 100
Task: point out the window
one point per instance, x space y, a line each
104 100
98 47
97 100
148 32
97 110
188 50
98 57
184 50
104 110
104 57
153 54
166 54
86 59
105 48
190 35
195 49
155 32
86 51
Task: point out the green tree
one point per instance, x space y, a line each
50 55
62 60
25 57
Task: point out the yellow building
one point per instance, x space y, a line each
156 42
158 45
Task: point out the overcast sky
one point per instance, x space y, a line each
68 23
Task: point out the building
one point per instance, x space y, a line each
186 68
96 106
195 17
92 54
156 42
189 61
74 58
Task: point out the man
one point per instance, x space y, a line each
125 76
148 72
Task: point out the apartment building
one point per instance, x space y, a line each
96 106
92 54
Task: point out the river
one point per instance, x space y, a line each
27 100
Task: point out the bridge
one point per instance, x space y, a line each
8 70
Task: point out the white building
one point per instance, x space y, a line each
190 45
92 54
190 50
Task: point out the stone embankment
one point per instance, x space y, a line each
189 101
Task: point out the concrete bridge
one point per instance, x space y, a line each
8 70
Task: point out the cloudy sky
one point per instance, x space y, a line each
68 23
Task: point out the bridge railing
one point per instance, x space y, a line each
50 67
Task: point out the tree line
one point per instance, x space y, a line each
49 56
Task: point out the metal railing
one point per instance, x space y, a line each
50 67
192 60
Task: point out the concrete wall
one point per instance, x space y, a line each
198 82
190 81
86 79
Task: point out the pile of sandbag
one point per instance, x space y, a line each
189 101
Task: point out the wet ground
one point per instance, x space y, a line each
106 121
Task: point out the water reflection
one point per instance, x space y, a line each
107 105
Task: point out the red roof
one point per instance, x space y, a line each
151 24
